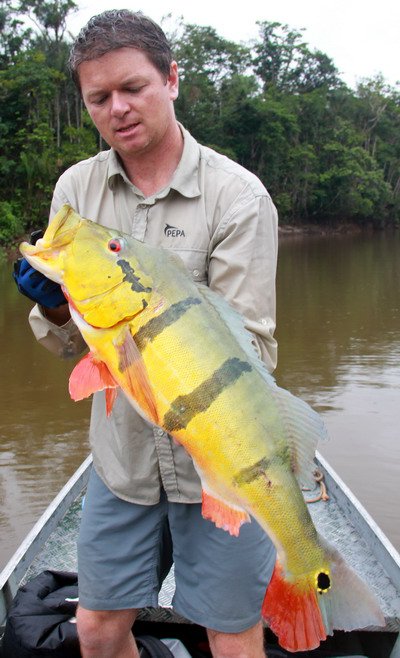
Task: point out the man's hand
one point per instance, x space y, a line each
36 286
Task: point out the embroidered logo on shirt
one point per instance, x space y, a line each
173 232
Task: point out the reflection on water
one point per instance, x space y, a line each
338 331
339 337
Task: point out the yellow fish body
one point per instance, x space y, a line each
186 363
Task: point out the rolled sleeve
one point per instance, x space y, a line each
242 267
65 341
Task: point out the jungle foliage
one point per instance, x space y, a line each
326 153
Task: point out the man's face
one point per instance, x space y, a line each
129 100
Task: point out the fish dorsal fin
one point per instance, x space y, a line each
235 323
133 371
89 376
303 427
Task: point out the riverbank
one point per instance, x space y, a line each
11 252
347 228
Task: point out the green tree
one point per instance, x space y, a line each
14 35
27 130
41 119
206 60
351 183
377 116
283 60
240 118
49 17
325 152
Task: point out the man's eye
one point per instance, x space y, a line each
100 100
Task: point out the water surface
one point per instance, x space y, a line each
339 337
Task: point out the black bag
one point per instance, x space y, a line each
39 622
152 647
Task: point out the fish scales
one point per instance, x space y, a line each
182 357
208 394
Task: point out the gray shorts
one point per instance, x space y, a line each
125 550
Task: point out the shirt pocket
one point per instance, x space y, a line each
196 261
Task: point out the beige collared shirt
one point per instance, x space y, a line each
220 220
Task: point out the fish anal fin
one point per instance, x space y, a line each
222 514
133 372
292 612
111 394
90 376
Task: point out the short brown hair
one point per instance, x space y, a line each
120 28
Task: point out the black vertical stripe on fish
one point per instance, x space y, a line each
130 276
156 325
250 473
185 407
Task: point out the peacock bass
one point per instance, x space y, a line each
183 358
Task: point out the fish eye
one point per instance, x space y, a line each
115 245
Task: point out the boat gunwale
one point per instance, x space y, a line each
18 564
379 544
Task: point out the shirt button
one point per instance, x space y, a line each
263 321
160 432
196 273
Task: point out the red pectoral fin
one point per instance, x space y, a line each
133 372
225 517
89 376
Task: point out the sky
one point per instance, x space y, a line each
362 37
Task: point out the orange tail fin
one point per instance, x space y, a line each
303 612
292 612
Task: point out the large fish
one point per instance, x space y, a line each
183 358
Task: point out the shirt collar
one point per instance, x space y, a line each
185 179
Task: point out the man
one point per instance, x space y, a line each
158 184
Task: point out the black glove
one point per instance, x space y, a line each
34 284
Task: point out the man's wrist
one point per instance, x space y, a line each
59 315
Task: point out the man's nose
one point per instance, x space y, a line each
119 104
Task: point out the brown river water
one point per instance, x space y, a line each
339 338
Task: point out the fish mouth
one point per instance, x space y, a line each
61 231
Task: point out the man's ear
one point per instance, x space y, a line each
173 81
